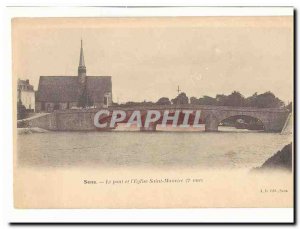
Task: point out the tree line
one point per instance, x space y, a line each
235 99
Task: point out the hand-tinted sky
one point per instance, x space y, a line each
149 57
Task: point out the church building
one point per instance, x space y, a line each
71 92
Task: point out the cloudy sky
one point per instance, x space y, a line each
149 57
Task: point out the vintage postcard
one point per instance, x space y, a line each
153 112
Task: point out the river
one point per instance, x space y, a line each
159 149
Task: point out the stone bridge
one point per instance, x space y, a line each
273 119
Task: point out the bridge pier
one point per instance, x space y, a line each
211 123
152 127
274 123
211 129
269 127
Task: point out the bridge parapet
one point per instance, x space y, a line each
196 107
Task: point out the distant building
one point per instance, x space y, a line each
26 94
66 92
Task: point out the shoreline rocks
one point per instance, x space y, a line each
281 160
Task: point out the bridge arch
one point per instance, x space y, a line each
251 120
243 122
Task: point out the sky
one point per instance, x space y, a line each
148 58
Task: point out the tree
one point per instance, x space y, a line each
265 100
180 99
163 101
251 100
221 99
132 104
194 100
235 99
207 100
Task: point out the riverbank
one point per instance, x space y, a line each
281 160
30 130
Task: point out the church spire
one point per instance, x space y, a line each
81 67
81 59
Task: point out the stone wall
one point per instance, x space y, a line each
44 121
69 120
75 120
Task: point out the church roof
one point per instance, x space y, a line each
66 88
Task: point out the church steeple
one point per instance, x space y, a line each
81 59
81 67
